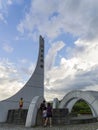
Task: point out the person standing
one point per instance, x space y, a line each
43 111
49 115
44 115
43 105
21 103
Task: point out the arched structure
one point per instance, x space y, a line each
33 109
90 97
34 87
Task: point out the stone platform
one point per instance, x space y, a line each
17 116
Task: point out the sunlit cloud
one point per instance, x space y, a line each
10 81
78 18
78 72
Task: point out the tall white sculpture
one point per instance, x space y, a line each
34 87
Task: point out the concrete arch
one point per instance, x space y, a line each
90 97
32 111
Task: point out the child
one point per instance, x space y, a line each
44 114
21 103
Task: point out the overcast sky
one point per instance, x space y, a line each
70 30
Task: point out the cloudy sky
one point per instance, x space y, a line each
70 30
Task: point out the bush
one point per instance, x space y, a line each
81 107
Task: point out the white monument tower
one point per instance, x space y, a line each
34 87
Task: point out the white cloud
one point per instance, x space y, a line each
9 2
52 53
10 81
87 51
78 72
38 19
52 17
8 88
4 5
8 48
2 18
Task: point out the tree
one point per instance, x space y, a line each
81 107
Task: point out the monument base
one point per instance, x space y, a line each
17 116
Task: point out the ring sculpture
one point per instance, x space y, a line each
90 97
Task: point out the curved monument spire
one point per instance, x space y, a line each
34 87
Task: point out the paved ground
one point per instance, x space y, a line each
90 126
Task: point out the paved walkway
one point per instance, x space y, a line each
90 126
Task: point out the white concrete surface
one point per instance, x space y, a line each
32 112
